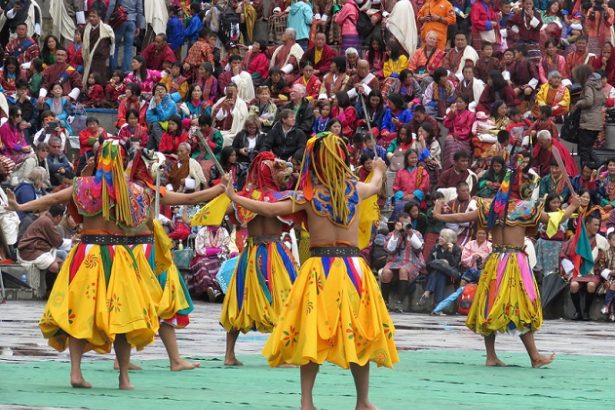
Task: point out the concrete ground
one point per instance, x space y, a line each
441 366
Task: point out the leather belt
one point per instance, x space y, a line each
341 251
116 239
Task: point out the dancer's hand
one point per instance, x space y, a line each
378 163
437 209
230 189
224 180
12 200
575 201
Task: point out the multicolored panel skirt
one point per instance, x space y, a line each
101 291
507 297
260 286
335 313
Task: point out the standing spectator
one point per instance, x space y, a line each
485 24
195 25
126 32
437 16
300 19
526 24
13 142
22 47
16 13
75 51
285 139
591 105
157 53
161 108
347 18
320 56
63 74
599 19
98 45
199 53
175 31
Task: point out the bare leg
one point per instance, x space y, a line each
360 374
492 357
537 359
131 366
75 347
167 334
308 378
229 357
122 353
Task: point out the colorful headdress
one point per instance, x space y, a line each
510 187
325 163
110 173
267 173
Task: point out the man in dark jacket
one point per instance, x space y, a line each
284 140
304 112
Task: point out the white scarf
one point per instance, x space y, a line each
88 52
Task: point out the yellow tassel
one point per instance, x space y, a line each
122 203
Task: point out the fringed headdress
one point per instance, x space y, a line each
110 173
510 187
325 163
267 173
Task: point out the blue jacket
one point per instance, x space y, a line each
194 28
300 19
175 32
387 120
161 112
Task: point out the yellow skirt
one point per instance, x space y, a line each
100 292
335 313
258 288
507 297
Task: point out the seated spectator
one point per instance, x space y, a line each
175 81
409 87
186 175
60 168
459 172
115 88
39 159
605 194
264 108
426 59
475 252
59 105
145 78
375 56
277 85
304 113
310 81
287 56
404 246
542 155
587 180
421 117
35 76
24 102
206 134
396 152
460 56
237 170
501 148
439 94
375 107
211 248
394 117
230 113
584 282
395 60
172 137
22 46
95 93
39 244
361 84
548 248
241 78
90 136
411 183
428 147
249 141
470 87
31 188
459 121
284 139
63 74
335 80
553 183
486 129
320 56
442 266
9 75
497 88
551 61
462 202
257 62
161 108
543 122
132 101
75 51
49 49
12 139
199 53
132 131
324 117
193 107
554 94
486 62
489 182
156 53
208 82
346 113
608 274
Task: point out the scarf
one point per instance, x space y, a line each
105 32
179 172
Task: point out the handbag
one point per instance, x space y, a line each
571 126
118 16
183 257
488 36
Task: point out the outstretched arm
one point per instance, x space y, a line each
455 218
174 198
266 209
375 185
570 209
42 203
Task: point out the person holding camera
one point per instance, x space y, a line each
599 19
404 246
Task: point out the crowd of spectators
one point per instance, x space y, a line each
447 92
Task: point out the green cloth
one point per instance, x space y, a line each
425 379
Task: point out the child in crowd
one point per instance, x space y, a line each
75 56
90 136
518 126
36 76
95 95
543 122
172 137
321 122
486 62
115 88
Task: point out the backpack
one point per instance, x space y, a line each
571 126
229 27
364 25
466 298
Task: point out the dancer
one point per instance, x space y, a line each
335 311
507 297
104 295
266 269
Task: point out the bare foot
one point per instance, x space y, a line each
125 384
308 407
366 406
543 361
80 383
232 362
495 363
182 364
131 366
